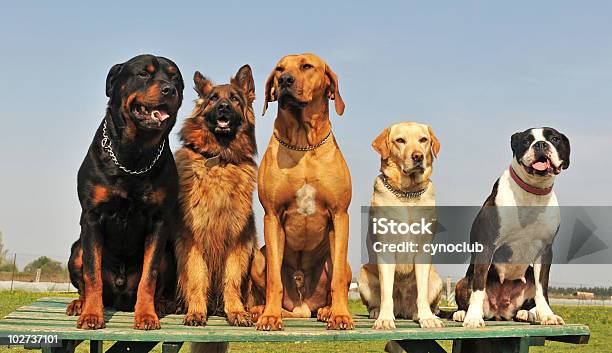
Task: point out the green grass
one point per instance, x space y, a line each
599 320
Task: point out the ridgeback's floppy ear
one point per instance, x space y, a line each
381 144
333 92
244 80
270 91
435 143
111 78
203 86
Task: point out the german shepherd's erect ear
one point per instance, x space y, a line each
203 86
244 80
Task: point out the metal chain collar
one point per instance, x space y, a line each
106 144
399 193
302 149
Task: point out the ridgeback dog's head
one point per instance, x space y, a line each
299 80
408 149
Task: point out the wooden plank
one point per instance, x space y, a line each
232 334
47 316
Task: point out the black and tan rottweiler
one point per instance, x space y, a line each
128 190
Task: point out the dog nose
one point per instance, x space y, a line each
417 156
286 80
168 90
540 146
223 106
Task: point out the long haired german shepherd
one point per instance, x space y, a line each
217 177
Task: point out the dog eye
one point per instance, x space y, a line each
279 69
554 139
234 99
307 66
144 74
213 98
423 140
526 142
400 140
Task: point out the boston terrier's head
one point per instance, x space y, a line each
539 154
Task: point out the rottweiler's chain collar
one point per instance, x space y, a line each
302 149
107 145
400 193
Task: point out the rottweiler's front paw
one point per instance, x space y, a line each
90 321
195 319
239 318
340 321
268 322
74 308
146 321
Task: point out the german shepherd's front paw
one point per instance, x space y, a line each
195 319
239 318
340 321
74 308
90 321
269 322
323 314
146 321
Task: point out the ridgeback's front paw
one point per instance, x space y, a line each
323 314
473 322
384 324
459 315
268 322
431 322
146 321
239 318
195 319
340 321
551 319
90 321
74 308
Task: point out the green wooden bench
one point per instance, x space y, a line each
46 317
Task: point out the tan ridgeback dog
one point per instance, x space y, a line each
304 187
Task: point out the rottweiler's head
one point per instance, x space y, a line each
146 92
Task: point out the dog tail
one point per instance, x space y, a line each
209 347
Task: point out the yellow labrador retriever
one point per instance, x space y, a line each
409 290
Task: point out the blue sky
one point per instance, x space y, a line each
475 71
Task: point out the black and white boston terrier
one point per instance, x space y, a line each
517 225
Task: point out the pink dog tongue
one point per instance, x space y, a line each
161 115
540 166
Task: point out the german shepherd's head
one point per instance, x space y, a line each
222 122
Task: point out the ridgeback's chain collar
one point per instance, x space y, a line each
530 189
302 149
106 144
400 193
